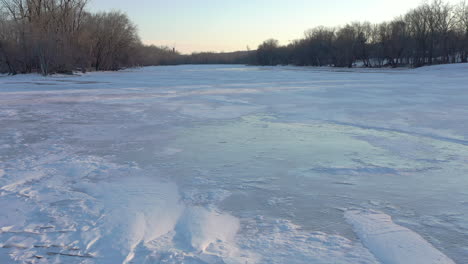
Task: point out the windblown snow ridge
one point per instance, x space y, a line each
392 243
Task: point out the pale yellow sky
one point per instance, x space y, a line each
229 25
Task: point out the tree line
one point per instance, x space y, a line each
435 32
61 36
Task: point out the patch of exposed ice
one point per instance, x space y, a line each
218 112
8 113
171 151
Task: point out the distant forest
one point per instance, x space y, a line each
432 33
61 36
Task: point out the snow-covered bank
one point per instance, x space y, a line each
233 164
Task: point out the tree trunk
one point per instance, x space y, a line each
11 68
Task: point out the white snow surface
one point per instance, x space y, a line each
392 243
235 164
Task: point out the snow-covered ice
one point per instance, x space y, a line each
392 243
235 164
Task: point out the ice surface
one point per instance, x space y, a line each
234 164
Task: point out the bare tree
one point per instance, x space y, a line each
113 37
462 26
267 52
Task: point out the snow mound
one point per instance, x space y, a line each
392 243
70 211
198 228
142 211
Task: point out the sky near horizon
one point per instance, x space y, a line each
230 25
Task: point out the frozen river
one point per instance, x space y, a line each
234 164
